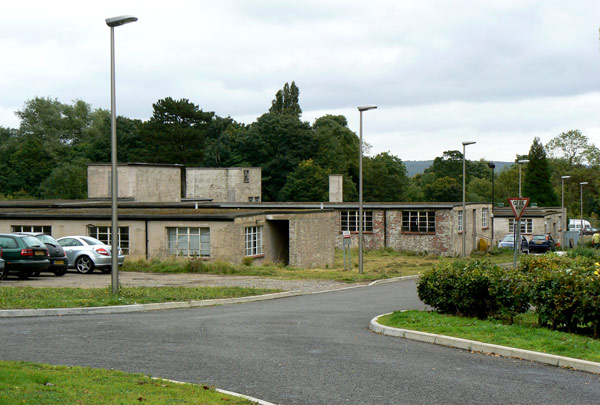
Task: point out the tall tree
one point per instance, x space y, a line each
286 101
537 184
574 147
308 182
385 178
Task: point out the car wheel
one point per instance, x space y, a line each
60 272
4 274
84 265
106 270
34 274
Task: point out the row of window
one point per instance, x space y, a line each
181 241
485 215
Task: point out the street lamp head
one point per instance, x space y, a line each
468 143
367 107
565 177
120 20
583 183
491 165
521 161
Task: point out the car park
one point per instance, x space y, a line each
85 254
508 242
58 256
23 255
542 244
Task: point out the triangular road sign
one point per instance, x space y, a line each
518 206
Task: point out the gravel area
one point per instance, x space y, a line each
132 279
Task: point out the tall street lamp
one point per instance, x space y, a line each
464 212
112 23
563 225
360 189
492 166
583 183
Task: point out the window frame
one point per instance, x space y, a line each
45 229
526 226
349 221
485 215
195 238
253 241
418 221
460 225
104 235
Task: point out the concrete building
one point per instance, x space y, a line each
299 238
535 221
144 182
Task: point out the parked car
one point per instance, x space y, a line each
58 256
2 263
542 243
509 242
86 254
23 254
582 226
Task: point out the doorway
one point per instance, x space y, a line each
279 241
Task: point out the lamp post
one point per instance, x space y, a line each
360 189
464 212
583 183
492 166
563 225
112 23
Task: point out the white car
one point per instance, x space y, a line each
86 254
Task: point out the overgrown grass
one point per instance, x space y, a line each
30 297
32 383
377 264
523 334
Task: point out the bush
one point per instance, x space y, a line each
582 252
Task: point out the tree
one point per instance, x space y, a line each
286 101
443 189
176 132
308 182
574 147
537 184
385 178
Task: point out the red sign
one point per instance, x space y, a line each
518 206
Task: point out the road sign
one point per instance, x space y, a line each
518 206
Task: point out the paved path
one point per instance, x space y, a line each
312 349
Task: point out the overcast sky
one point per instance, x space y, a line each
498 72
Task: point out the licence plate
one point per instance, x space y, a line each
39 253
59 262
537 242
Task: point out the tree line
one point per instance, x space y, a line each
46 157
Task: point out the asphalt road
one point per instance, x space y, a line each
313 349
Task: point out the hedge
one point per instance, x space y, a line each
564 291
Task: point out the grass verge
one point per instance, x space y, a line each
32 298
378 264
523 334
32 383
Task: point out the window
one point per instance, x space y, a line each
460 221
349 221
33 228
103 233
188 241
526 225
253 240
250 199
485 213
418 221
246 176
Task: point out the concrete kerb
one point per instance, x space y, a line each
115 309
487 348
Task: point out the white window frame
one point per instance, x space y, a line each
526 225
104 233
45 229
188 241
349 221
253 238
485 214
460 220
418 221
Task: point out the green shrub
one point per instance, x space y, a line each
583 252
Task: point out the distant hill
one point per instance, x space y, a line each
418 166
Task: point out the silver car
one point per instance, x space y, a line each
86 254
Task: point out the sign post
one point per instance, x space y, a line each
518 206
347 245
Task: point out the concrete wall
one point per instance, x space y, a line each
313 242
140 183
224 184
336 188
550 223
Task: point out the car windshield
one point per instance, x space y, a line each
91 241
32 241
508 238
538 237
